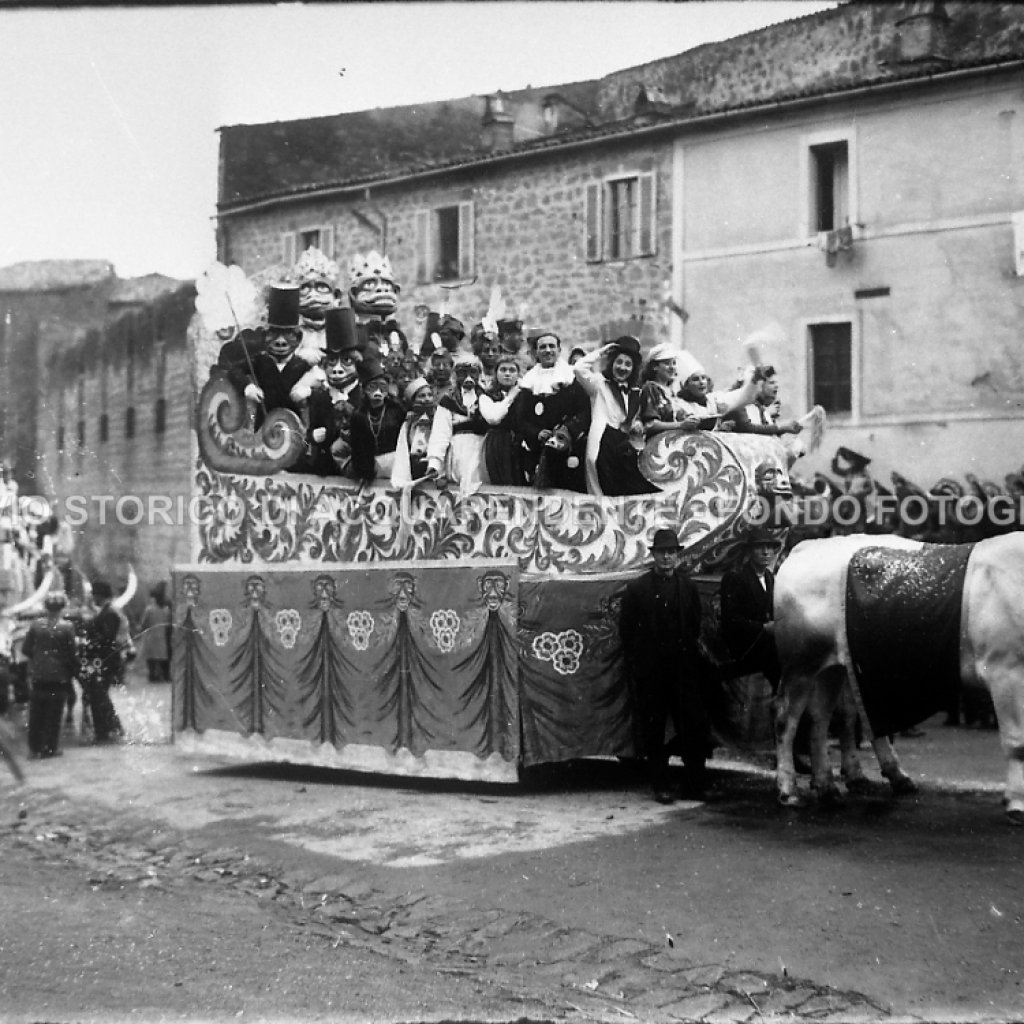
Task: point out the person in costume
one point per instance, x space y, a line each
763 415
551 418
373 293
704 408
510 336
420 450
376 425
332 404
501 451
460 407
487 348
609 376
661 407
317 278
99 663
277 378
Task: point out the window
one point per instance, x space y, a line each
104 427
129 421
444 243
294 243
831 367
81 435
160 422
830 186
620 218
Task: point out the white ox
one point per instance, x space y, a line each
810 631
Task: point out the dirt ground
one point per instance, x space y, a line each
911 908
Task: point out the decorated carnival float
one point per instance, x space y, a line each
444 627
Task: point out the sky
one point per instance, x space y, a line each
108 116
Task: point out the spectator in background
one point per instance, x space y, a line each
155 635
50 650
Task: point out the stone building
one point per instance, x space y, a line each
844 183
96 407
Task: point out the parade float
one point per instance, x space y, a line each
423 630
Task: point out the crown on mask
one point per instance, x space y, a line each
313 265
361 268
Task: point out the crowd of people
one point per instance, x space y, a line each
490 406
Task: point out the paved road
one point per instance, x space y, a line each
576 889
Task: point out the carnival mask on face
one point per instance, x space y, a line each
376 295
440 368
376 391
315 298
467 374
341 371
282 342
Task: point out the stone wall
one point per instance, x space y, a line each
529 239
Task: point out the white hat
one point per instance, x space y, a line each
660 353
687 364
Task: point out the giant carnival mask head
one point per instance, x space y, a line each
372 285
317 278
283 331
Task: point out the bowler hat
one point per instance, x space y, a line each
665 540
628 345
762 536
846 461
283 306
340 333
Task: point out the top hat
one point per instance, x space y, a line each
665 540
340 332
370 369
628 345
845 461
283 306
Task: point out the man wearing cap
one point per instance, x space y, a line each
277 378
420 452
50 650
748 626
659 626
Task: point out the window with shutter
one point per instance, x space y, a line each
327 242
288 248
593 223
311 239
423 261
465 240
647 242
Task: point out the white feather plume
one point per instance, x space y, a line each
226 298
495 311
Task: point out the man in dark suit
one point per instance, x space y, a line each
748 626
659 627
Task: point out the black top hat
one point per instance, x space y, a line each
370 369
102 590
283 306
845 461
629 345
340 332
665 540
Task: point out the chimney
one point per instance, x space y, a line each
498 125
921 34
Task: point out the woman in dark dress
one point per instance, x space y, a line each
502 465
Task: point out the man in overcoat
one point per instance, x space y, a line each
659 627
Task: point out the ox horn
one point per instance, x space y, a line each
33 602
129 591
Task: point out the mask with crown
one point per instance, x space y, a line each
317 278
372 285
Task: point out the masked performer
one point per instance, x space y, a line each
373 292
420 451
331 406
317 278
376 425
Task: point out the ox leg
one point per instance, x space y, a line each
902 784
822 702
1009 707
852 771
794 691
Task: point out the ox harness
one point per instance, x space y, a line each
903 631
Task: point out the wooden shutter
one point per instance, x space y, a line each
593 222
648 226
423 264
465 240
327 241
288 249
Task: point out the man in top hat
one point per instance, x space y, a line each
277 378
376 425
336 398
659 626
748 621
